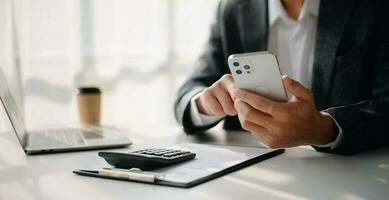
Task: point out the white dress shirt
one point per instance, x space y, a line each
293 41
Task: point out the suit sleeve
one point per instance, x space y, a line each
365 124
208 69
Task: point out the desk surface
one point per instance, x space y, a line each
299 173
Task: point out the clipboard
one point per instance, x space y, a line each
212 161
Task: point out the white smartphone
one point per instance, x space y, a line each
258 72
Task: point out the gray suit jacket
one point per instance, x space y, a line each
350 72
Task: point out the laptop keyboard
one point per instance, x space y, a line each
57 138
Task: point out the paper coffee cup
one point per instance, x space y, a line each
89 105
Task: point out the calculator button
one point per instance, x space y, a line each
173 157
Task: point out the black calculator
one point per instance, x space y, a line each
147 159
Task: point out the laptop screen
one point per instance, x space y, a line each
12 110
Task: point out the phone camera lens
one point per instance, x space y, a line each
246 67
238 71
236 64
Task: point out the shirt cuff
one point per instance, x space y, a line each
335 143
199 119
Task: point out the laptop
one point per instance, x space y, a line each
58 139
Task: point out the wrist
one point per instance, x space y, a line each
327 130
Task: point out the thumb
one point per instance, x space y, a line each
299 91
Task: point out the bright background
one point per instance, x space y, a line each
138 51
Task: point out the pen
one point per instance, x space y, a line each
131 174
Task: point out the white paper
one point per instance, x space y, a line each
209 159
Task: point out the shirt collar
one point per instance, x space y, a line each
276 10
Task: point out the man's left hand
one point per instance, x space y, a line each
285 124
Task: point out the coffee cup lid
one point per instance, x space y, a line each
89 90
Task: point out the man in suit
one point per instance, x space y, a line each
335 55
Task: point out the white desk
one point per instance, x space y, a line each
299 173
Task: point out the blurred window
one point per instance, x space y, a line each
50 47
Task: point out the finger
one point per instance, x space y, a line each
255 129
248 113
212 104
226 102
228 83
298 90
256 101
219 90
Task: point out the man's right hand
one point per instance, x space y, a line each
216 99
